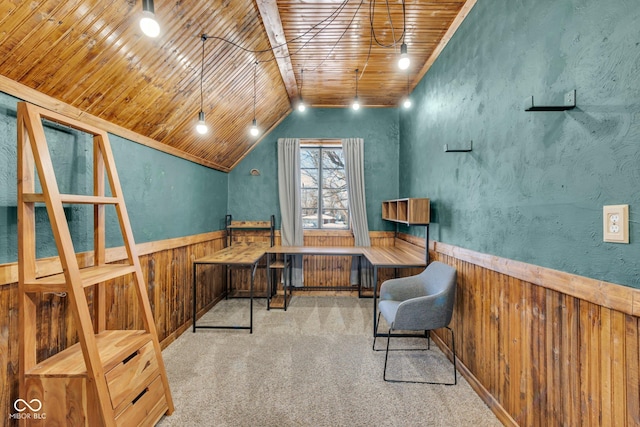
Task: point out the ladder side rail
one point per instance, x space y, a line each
69 261
99 245
123 220
129 243
65 120
27 303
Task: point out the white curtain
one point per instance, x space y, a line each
353 149
290 206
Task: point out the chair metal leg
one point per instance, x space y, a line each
453 349
375 334
428 336
386 356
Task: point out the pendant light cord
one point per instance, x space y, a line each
204 38
255 68
301 81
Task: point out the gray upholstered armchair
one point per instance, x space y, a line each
419 303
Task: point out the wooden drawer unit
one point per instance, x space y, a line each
146 408
61 383
129 377
69 402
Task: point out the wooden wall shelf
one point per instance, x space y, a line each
409 211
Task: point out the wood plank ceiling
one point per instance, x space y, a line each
92 55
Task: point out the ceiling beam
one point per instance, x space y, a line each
273 25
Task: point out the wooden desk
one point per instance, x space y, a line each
289 251
238 255
401 256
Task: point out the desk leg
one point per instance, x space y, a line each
269 282
360 276
375 298
285 273
253 277
286 258
194 296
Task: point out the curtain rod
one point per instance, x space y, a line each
320 141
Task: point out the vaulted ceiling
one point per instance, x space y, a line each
92 55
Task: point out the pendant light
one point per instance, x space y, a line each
356 102
254 131
301 106
148 23
404 61
201 126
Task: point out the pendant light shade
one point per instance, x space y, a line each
148 23
254 131
201 126
301 106
404 61
356 101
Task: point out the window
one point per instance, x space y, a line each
325 204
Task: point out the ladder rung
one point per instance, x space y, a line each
73 199
90 276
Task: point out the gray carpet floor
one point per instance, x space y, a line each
310 366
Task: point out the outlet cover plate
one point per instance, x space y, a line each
615 223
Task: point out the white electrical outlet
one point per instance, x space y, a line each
615 223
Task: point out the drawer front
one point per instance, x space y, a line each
146 408
127 379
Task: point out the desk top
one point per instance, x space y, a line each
316 250
237 254
394 256
380 256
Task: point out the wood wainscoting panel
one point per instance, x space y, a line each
539 356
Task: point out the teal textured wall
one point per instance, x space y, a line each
256 197
534 186
166 196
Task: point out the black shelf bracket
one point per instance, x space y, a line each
463 150
569 104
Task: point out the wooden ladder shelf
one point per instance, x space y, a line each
110 377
